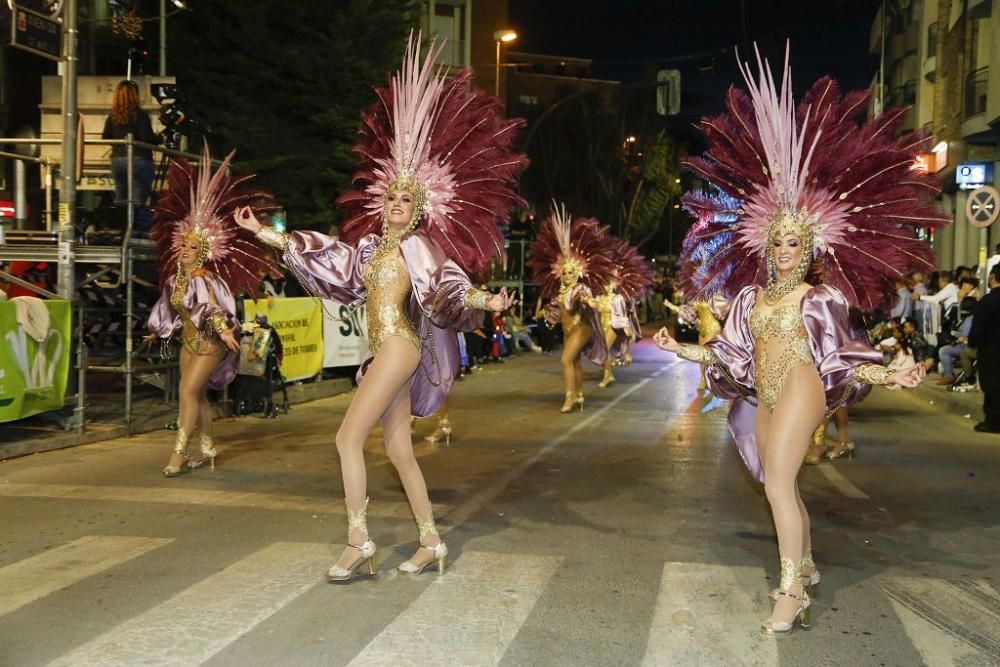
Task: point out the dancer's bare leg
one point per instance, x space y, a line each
399 447
609 362
572 347
196 369
387 374
787 432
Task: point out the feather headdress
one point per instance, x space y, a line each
633 272
580 247
848 189
200 203
446 142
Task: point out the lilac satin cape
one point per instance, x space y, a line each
203 289
623 316
436 306
836 349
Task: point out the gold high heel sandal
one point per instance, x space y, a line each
608 380
442 432
817 450
810 582
574 400
366 552
790 576
841 449
180 447
439 552
207 451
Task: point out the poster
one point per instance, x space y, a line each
345 335
34 363
299 323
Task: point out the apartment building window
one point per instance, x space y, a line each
908 93
933 31
528 100
976 85
448 23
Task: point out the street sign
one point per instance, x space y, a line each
668 92
35 32
983 206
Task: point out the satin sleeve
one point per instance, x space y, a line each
163 321
328 268
845 363
730 370
210 303
619 313
442 289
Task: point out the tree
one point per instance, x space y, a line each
284 83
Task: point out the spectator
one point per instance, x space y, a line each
947 293
914 341
985 337
994 260
518 333
904 302
948 354
126 118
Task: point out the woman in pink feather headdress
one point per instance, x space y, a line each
205 258
828 217
631 280
436 174
570 261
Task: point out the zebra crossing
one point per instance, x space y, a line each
704 614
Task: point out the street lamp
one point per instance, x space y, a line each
501 36
179 4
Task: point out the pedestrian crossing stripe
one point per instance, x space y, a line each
704 613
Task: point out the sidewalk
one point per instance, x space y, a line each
960 403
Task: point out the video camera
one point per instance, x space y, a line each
176 121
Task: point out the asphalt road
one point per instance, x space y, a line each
624 534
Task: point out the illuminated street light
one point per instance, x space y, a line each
505 37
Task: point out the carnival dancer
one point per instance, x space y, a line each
828 220
436 172
570 261
204 259
631 280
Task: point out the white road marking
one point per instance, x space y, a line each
197 623
954 622
201 497
709 614
489 492
843 484
467 617
33 578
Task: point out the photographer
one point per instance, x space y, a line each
127 118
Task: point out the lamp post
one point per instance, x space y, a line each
179 4
501 36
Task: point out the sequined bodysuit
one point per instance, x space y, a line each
387 283
570 318
194 339
781 344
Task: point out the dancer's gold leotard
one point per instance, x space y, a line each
781 343
570 319
604 309
387 283
194 339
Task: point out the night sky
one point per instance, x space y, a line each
626 37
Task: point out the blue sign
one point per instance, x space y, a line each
971 175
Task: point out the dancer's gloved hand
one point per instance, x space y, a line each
908 377
501 301
229 338
245 218
665 341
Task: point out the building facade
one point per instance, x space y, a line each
468 27
941 59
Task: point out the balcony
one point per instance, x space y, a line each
974 125
933 32
979 9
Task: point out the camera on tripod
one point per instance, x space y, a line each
176 121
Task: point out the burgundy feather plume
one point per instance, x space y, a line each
862 187
583 240
234 253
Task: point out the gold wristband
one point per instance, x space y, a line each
219 324
873 374
273 238
477 299
697 353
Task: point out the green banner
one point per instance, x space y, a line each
35 347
